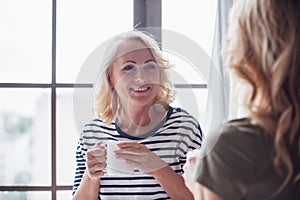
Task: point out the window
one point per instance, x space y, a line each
188 41
25 42
43 47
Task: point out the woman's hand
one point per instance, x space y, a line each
96 160
139 156
188 174
198 190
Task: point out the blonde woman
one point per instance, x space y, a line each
258 157
132 103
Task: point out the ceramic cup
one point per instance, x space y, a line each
116 166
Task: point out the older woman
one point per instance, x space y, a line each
133 107
258 157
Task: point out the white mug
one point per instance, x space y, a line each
116 166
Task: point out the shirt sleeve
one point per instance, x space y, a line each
192 139
80 164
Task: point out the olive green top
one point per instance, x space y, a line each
237 164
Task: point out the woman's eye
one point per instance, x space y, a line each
150 66
128 68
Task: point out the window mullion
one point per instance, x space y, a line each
147 14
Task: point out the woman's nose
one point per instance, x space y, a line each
140 75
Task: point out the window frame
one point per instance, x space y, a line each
147 13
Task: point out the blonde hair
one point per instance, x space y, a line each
106 101
263 48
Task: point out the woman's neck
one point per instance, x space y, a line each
140 120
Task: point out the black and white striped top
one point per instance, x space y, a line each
178 133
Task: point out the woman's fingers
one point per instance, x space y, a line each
128 155
190 162
126 144
96 160
133 147
97 169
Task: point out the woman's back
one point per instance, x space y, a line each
240 165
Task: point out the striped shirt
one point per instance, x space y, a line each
177 134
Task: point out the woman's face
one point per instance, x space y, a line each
135 74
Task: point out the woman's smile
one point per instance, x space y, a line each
140 89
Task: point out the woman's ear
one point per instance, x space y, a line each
110 82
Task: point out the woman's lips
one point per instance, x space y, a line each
142 88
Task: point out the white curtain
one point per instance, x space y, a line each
218 109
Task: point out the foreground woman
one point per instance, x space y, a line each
258 157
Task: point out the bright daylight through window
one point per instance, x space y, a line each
43 45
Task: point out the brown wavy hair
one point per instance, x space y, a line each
263 47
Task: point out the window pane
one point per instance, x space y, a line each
84 25
184 71
194 101
64 195
68 131
25 137
25 41
25 195
195 19
194 31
